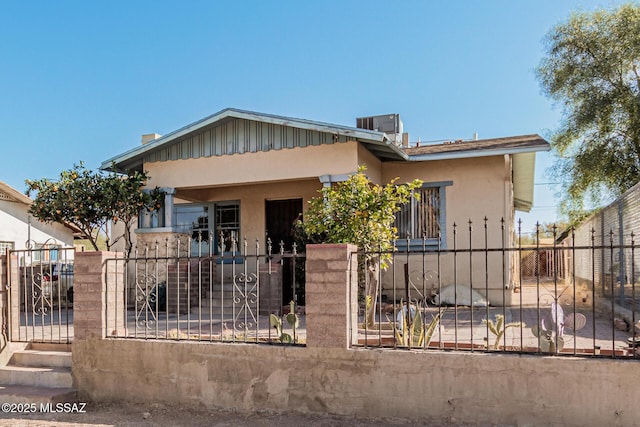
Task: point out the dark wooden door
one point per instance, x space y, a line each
280 218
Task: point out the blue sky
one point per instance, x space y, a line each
83 80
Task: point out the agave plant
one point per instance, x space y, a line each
413 331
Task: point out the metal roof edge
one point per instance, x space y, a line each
478 153
357 133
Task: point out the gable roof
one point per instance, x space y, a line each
522 148
377 142
11 194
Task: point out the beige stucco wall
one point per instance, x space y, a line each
481 187
252 201
473 388
485 176
287 164
253 178
372 163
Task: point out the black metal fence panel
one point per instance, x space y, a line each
45 294
532 298
180 293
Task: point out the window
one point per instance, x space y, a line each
227 226
44 252
423 217
5 247
194 220
220 221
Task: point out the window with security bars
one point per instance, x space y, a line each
422 219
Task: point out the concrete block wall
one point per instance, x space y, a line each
98 304
331 295
327 376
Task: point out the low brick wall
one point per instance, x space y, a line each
327 376
503 389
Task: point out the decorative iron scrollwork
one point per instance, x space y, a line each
41 294
245 301
145 296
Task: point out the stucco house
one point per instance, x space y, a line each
251 174
19 230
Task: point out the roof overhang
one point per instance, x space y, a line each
482 148
14 194
524 166
376 142
18 197
522 149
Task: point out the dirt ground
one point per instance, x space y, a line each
148 415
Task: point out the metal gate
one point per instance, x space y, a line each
41 294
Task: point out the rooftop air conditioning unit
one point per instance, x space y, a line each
388 123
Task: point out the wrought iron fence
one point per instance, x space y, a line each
41 281
474 295
173 292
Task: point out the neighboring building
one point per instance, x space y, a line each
241 173
19 230
610 238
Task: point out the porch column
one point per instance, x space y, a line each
169 194
98 295
331 295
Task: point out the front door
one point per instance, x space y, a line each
280 219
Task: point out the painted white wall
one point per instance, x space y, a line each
14 227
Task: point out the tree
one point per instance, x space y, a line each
90 201
360 212
591 70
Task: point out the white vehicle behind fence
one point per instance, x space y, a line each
47 283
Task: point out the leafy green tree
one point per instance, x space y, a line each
91 200
591 70
360 212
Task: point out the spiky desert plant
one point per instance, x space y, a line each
414 332
498 328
